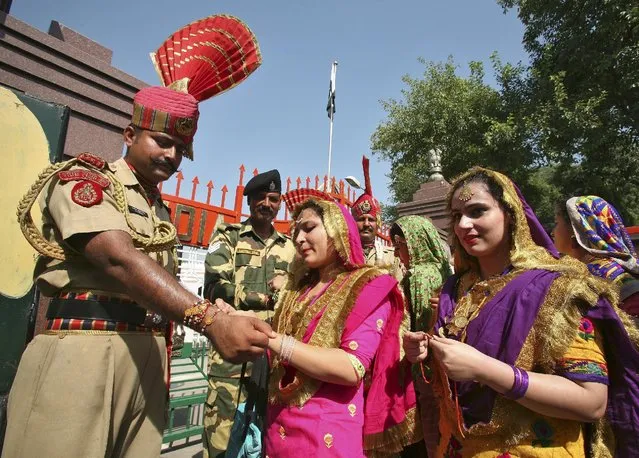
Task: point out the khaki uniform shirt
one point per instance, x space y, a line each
239 265
63 218
385 259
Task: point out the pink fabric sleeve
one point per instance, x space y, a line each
363 341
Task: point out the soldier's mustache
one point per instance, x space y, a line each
166 164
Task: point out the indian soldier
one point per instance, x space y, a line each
368 215
246 266
94 383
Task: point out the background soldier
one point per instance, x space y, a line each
94 383
368 215
246 266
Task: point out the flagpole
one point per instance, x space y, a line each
331 113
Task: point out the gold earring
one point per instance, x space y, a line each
465 194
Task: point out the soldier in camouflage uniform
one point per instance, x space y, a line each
367 213
246 265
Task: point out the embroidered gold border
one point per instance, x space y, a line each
556 324
336 228
395 438
327 333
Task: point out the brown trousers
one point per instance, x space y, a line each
88 396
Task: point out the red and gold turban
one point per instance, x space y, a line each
199 61
366 204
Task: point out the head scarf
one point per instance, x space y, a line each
429 266
390 410
534 253
531 247
599 229
341 229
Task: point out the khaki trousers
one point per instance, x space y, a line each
88 396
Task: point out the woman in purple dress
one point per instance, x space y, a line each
530 355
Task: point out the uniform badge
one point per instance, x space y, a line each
365 206
184 126
248 251
137 211
271 186
215 246
92 159
84 175
86 193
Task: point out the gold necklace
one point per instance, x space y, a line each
473 301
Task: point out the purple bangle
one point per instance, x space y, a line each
520 385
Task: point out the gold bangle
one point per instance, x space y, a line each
195 315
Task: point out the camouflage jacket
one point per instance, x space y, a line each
384 257
239 265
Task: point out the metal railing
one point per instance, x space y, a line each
187 394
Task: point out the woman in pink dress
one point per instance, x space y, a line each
338 386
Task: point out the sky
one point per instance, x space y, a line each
277 117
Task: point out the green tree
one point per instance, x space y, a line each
567 124
467 119
581 102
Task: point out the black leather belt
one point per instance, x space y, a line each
96 310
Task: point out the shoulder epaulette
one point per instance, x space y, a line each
92 160
87 192
230 226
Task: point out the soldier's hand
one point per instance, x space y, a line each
239 338
277 282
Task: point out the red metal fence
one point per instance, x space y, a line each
196 220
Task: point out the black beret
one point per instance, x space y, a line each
264 182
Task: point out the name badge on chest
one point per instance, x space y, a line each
248 251
137 211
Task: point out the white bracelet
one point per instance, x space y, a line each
288 345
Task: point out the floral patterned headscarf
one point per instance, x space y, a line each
599 229
429 267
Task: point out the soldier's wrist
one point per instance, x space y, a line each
212 330
201 315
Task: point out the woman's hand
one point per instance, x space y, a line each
461 361
247 313
434 305
224 307
277 282
415 346
275 344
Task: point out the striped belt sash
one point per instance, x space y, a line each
94 312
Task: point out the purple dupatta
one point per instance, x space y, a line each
622 359
499 331
501 328
504 322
